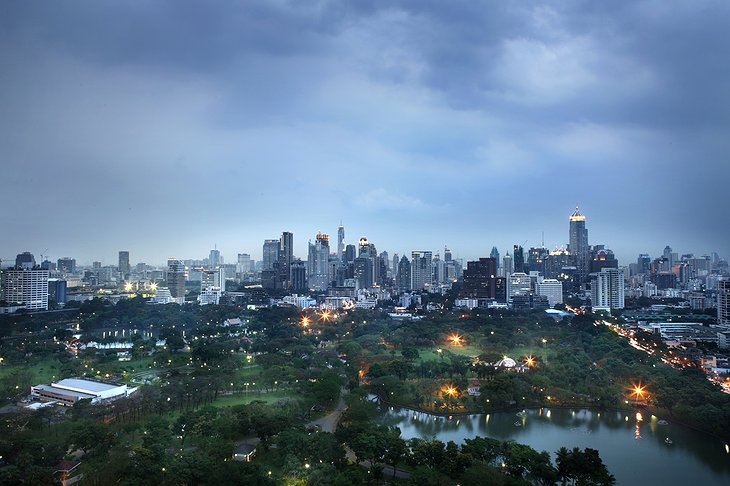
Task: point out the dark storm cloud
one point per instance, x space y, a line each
177 125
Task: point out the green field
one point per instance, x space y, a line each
243 398
431 354
41 370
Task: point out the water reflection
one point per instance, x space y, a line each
689 456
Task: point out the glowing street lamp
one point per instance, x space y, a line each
530 361
305 321
638 391
325 315
456 339
450 391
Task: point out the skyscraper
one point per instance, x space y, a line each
495 254
124 268
25 260
214 259
519 258
67 265
286 256
723 302
176 279
480 278
421 269
403 279
508 265
607 289
552 289
578 245
341 242
318 263
270 254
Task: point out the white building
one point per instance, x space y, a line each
607 289
26 288
552 289
518 283
69 391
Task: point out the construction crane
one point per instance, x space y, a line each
44 255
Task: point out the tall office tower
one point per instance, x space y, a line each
350 253
286 257
723 302
318 263
403 279
363 247
57 290
480 279
384 256
298 276
396 260
214 259
495 254
363 272
447 254
578 245
519 258
341 242
123 266
643 263
552 289
212 285
25 260
536 257
603 258
508 265
437 269
25 287
66 265
244 263
270 254
518 283
48 265
421 269
176 279
667 253
607 289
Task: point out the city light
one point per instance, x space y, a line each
305 321
530 361
325 316
450 390
638 391
456 339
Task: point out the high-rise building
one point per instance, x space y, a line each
508 265
607 289
176 279
350 253
723 302
318 273
643 264
552 289
286 256
480 279
396 260
603 258
67 265
518 254
447 254
363 272
341 242
578 245
536 257
518 283
244 263
403 278
214 259
270 254
495 254
57 290
25 287
25 260
124 268
298 273
421 269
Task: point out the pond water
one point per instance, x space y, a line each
634 448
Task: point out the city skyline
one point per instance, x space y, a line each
174 126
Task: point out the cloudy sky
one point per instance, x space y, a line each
165 128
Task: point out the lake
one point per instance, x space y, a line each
634 448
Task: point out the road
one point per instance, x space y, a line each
329 422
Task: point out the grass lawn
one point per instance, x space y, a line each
520 351
243 398
43 370
430 354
